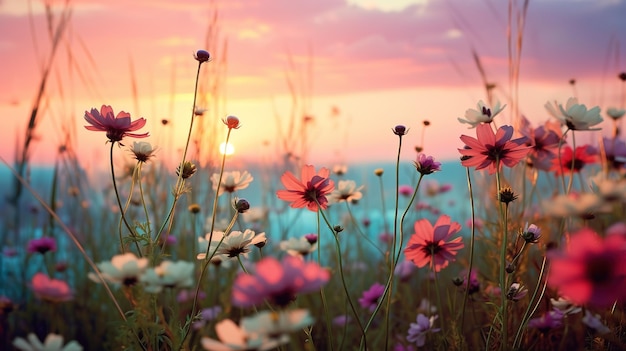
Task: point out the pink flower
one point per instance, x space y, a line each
42 245
116 127
592 270
405 190
309 191
52 290
278 282
488 147
232 122
428 245
544 143
426 164
370 297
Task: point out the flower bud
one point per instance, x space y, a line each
188 170
242 205
232 122
202 56
400 130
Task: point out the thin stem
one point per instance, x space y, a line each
322 291
518 336
471 253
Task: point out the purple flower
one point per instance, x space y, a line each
550 320
418 331
615 152
42 245
531 234
404 270
370 297
342 320
426 164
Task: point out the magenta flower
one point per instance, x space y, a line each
370 297
551 320
426 164
544 142
42 245
489 147
278 282
48 289
592 270
429 246
307 191
405 190
116 127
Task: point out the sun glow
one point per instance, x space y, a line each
227 149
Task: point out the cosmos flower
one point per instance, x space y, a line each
417 331
551 320
489 147
573 205
615 151
583 156
544 142
231 181
482 114
405 190
42 245
346 191
48 289
404 270
531 234
122 269
53 342
299 247
615 113
168 274
426 164
142 151
429 245
516 292
591 270
232 245
565 306
370 297
575 116
307 191
278 281
116 127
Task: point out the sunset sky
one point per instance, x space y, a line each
360 67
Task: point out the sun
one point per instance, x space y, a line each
227 149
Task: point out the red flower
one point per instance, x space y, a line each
116 127
592 270
309 191
428 245
489 147
583 155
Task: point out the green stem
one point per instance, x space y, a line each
471 253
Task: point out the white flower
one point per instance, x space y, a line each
168 275
516 292
277 325
231 181
573 205
255 214
53 342
609 190
232 245
124 269
565 306
232 337
298 246
615 113
574 115
593 321
142 150
482 114
346 190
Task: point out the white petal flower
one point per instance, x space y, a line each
482 114
232 245
574 115
53 342
233 338
124 269
615 113
168 275
232 181
346 190
298 246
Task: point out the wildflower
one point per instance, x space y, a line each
231 122
278 282
417 331
615 113
592 270
565 306
370 297
428 244
574 115
116 127
531 234
608 189
573 205
474 283
202 56
277 325
615 151
404 270
231 181
340 169
426 164
42 245
400 130
488 148
405 190
124 269
551 320
48 289
232 337
594 322
232 245
516 292
426 307
311 238
507 195
299 247
433 188
207 315
574 160
189 169
544 143
255 214
342 320
308 191
346 191
142 151
482 114
168 274
53 342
